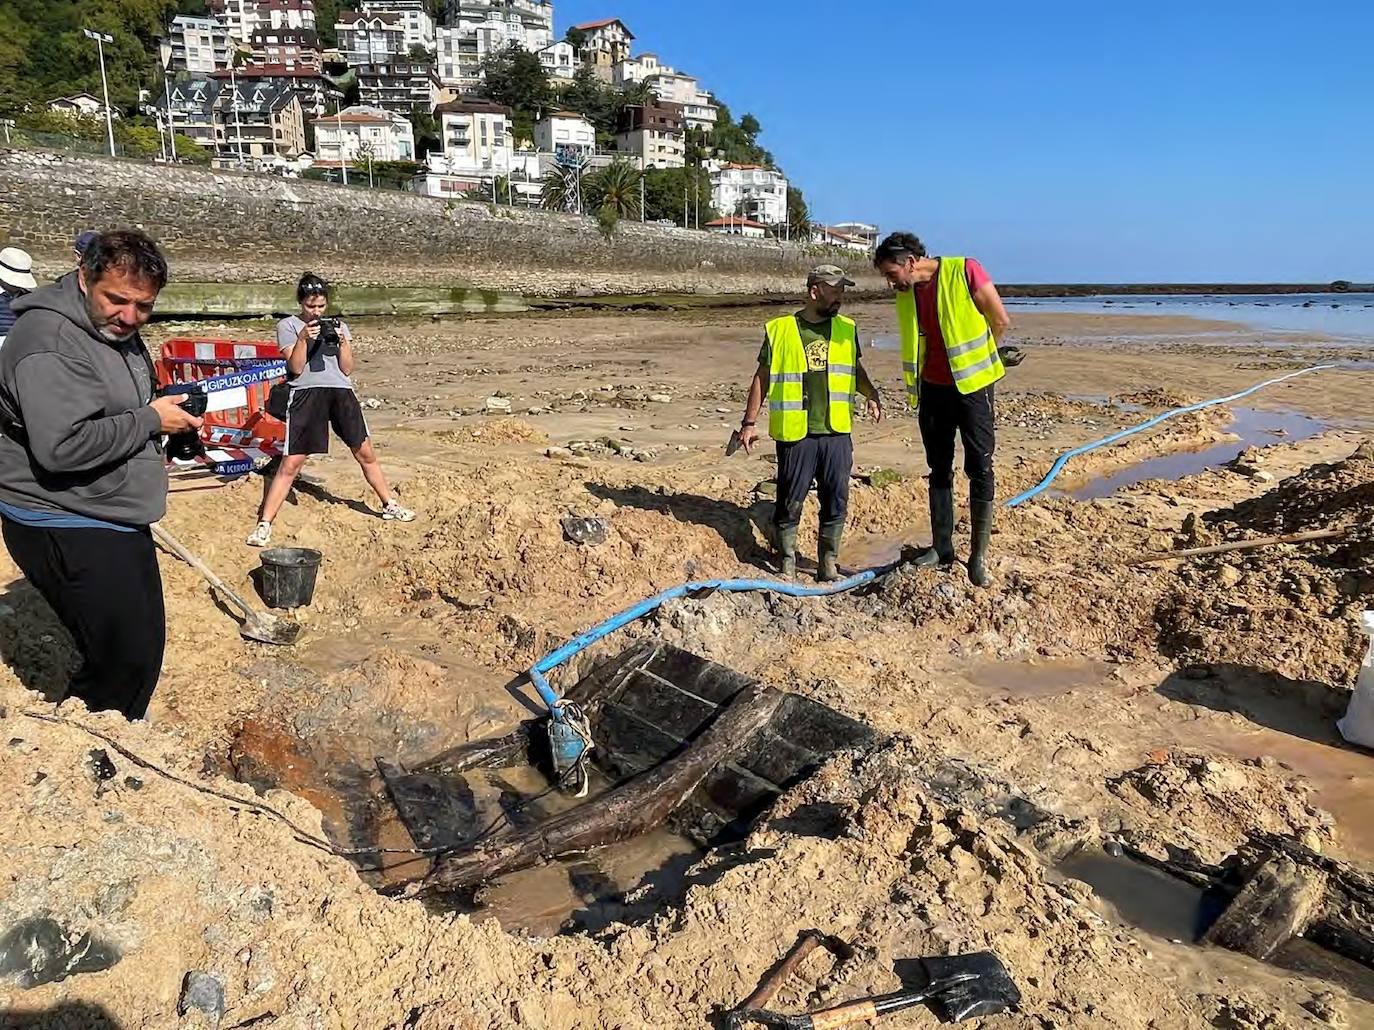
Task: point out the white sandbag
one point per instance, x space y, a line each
1358 724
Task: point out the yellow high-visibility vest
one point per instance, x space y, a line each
786 407
969 343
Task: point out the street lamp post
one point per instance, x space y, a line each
238 126
338 122
100 40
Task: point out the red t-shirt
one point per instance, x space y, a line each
936 369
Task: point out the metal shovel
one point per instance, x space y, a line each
256 625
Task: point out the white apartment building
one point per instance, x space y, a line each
371 38
671 87
565 131
652 134
534 16
756 192
461 48
242 18
637 69
418 26
477 139
559 60
607 44
195 45
357 133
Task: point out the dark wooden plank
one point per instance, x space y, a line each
634 808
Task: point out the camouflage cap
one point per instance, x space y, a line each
831 275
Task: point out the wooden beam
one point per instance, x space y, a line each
637 806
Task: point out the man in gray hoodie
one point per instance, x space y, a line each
82 474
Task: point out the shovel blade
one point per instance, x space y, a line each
268 629
981 986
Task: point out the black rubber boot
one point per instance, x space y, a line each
941 552
828 552
981 512
785 537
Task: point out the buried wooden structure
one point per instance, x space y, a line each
1288 891
679 740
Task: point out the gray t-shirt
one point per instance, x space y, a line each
321 370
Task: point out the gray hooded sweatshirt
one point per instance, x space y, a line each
76 433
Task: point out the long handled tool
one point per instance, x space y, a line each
260 626
852 1012
956 986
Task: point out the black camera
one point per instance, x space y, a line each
197 400
186 446
328 340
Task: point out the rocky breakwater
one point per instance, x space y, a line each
229 227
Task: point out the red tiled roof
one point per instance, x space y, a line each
589 26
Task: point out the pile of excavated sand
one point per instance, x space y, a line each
1291 608
295 941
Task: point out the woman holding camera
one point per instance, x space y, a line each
319 361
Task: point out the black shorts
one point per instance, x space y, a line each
313 411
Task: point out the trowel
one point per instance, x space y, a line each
260 626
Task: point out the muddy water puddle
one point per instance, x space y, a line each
581 892
1048 678
1152 901
1252 427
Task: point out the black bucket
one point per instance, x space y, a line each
287 576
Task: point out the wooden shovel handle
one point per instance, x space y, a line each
844 1015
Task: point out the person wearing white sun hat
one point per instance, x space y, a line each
16 279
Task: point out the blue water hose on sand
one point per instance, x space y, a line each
570 739
568 734
1064 458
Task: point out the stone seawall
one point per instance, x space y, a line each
224 227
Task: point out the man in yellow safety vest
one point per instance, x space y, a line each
950 318
809 371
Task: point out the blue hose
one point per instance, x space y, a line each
1064 458
538 672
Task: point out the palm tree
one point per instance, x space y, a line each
636 94
618 187
559 189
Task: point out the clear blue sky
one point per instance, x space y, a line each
1062 141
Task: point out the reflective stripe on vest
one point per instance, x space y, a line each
973 361
786 400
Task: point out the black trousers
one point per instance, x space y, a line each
823 460
106 588
945 411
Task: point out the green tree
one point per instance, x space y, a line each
666 188
558 191
749 125
591 98
799 224
326 14
615 187
577 37
515 77
428 131
420 54
189 150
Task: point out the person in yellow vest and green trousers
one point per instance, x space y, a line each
809 372
950 318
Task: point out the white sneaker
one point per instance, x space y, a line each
393 512
261 535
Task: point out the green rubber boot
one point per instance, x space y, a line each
828 552
941 552
785 538
981 512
